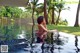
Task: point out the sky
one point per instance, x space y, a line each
70 14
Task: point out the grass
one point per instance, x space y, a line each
67 29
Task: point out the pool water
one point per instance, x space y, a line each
66 43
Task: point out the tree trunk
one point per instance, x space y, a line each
57 21
33 25
53 16
45 12
77 16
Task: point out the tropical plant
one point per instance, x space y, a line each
7 11
40 9
32 5
2 11
59 7
51 8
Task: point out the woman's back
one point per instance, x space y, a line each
40 30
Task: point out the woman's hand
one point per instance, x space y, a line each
53 30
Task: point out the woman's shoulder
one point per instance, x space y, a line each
39 24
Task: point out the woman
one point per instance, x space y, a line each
42 29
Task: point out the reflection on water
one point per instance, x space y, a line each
76 44
14 31
65 43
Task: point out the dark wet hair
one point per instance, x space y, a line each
40 19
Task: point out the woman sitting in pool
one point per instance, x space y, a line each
42 29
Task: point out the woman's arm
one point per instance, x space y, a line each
45 29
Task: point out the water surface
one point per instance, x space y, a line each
66 43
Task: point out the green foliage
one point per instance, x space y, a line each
10 31
2 11
63 22
26 14
38 7
6 11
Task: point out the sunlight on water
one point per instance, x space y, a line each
22 35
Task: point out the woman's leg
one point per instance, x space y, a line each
39 40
